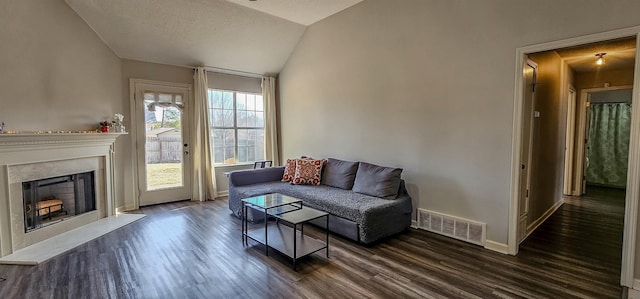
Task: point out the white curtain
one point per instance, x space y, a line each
270 123
203 171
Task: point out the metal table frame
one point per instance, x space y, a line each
290 211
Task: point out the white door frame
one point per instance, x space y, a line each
633 177
523 215
570 141
134 121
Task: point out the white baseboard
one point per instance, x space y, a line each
544 217
636 284
222 193
125 208
633 293
414 224
497 247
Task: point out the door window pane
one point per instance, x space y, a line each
163 143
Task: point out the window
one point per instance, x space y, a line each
237 126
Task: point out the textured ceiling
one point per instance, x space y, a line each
620 54
305 12
213 33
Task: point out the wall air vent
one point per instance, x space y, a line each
451 226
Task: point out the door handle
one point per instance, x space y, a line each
186 153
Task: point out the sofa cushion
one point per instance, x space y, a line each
289 170
377 181
339 174
307 172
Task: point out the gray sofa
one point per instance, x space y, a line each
360 217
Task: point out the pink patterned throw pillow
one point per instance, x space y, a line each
289 170
307 172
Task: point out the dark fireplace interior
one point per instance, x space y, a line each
52 200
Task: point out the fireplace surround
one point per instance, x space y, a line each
29 157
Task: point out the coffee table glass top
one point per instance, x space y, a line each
271 200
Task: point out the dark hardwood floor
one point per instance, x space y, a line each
194 250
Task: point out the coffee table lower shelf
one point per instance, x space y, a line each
280 238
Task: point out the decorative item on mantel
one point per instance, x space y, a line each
41 132
104 126
1 127
118 123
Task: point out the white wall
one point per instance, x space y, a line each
427 86
56 73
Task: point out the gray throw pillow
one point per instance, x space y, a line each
377 181
339 174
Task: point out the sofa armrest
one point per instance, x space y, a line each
386 220
383 221
255 176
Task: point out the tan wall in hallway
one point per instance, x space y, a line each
549 135
619 77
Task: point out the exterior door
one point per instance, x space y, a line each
527 148
162 138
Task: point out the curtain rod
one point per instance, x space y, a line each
232 72
222 70
611 102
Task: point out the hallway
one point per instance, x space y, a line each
584 238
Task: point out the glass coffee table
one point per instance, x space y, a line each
283 234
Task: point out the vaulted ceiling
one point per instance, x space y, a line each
305 12
256 37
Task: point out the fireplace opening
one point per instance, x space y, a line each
51 200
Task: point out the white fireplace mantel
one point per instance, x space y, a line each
8 141
17 150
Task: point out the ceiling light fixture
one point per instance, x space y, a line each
600 60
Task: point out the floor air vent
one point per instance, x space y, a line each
454 227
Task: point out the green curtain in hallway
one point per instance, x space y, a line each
609 144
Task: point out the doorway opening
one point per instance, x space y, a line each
560 117
607 134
